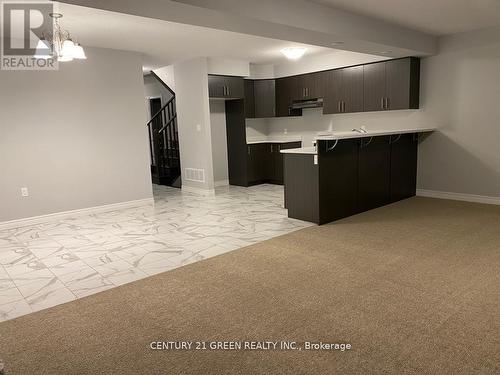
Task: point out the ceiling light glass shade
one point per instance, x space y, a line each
68 49
42 50
294 53
78 52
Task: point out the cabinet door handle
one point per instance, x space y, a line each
271 149
382 103
343 106
248 150
386 103
340 106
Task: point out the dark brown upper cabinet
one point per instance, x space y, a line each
286 89
265 98
392 85
226 87
309 86
249 99
386 85
343 92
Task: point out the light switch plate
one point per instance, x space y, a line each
25 192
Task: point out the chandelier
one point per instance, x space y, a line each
59 44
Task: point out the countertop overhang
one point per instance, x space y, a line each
273 140
302 150
371 133
353 135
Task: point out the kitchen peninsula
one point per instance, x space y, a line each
350 172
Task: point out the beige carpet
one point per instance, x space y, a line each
414 287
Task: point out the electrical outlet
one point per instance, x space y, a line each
198 127
25 192
285 131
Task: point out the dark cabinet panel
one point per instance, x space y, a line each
282 97
402 84
352 89
226 87
236 142
404 151
333 92
286 89
216 86
265 162
392 85
374 86
302 187
343 90
249 99
338 179
374 171
319 79
309 86
354 175
257 168
265 98
276 160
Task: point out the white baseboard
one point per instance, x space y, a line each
199 191
221 183
458 196
84 211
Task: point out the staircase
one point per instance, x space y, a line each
164 146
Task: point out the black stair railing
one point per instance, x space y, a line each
164 143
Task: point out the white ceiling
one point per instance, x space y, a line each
163 43
437 17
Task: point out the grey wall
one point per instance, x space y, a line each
76 137
193 113
460 94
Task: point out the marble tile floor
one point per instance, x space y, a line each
48 264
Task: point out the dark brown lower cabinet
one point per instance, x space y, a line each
302 187
256 164
352 176
276 162
338 179
404 151
374 172
265 162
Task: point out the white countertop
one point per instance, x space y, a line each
303 150
252 141
370 133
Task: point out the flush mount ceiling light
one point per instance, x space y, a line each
294 53
59 44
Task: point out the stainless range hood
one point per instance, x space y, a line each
309 103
